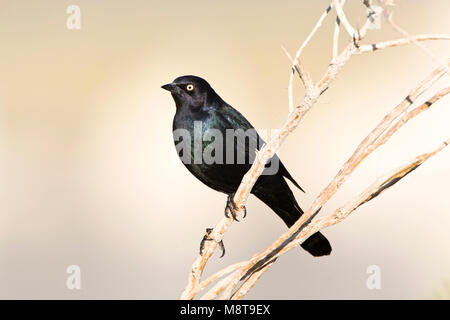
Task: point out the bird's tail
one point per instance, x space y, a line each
282 201
317 245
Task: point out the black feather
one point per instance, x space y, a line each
203 105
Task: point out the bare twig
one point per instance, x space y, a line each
217 289
376 188
343 19
411 114
337 26
250 271
251 281
390 18
367 146
220 274
295 61
399 42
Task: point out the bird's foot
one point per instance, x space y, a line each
232 208
207 238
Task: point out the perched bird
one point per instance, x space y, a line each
199 110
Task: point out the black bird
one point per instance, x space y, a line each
199 107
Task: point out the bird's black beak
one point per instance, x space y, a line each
169 87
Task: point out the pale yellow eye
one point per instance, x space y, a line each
190 87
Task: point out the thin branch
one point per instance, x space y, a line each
250 282
298 67
291 81
411 114
399 42
363 150
220 274
390 18
343 19
218 288
299 52
373 13
379 186
337 27
314 30
376 188
296 232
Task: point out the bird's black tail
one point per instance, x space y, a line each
317 245
281 200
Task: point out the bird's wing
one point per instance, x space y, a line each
234 117
286 174
235 120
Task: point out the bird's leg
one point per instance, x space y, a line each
233 208
207 238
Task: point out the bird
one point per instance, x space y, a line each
199 109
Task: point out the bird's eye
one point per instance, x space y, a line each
190 87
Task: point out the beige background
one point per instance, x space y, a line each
89 175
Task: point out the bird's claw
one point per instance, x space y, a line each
207 238
232 208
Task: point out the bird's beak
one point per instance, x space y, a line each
169 87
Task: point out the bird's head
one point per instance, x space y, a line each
191 91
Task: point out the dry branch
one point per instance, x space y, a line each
336 37
367 146
390 18
248 272
375 189
343 19
400 42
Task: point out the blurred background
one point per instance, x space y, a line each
89 175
